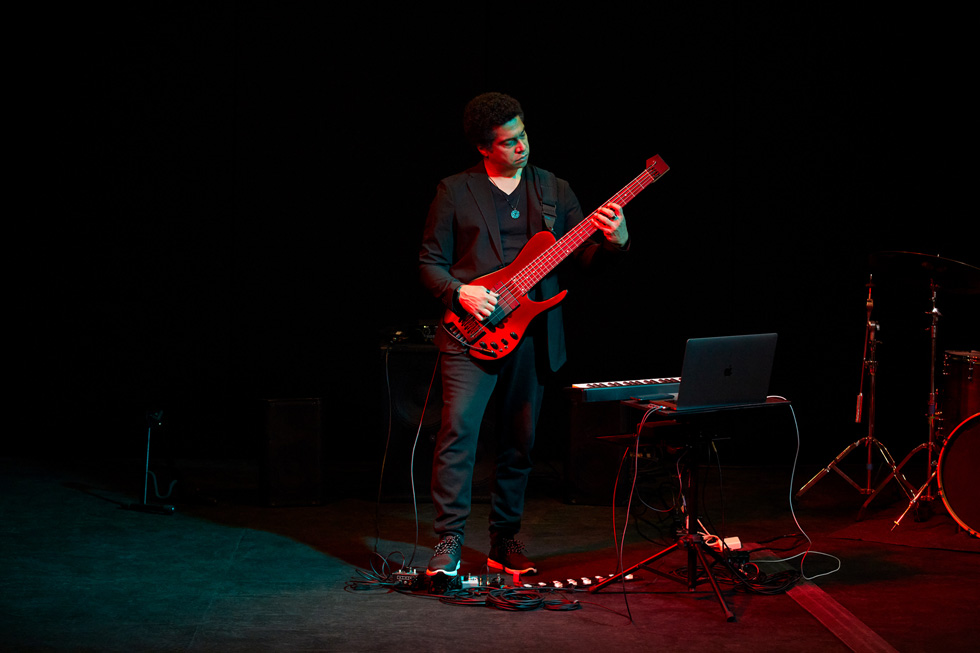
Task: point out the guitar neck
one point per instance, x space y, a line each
563 247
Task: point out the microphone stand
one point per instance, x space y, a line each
151 418
869 441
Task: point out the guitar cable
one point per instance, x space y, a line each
620 543
384 457
809 543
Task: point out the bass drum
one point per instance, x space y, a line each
959 462
961 387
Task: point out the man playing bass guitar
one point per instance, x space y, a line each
478 223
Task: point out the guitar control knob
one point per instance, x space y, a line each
495 345
504 342
513 335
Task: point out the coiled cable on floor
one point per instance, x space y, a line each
524 599
515 599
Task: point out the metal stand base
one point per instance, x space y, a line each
914 495
871 443
696 550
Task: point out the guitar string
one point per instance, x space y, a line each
544 263
559 250
534 271
548 256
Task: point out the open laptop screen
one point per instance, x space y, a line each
726 371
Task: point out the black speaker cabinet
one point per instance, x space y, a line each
411 404
592 465
291 466
411 397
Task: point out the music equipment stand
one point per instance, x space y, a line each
699 425
953 277
932 445
152 418
869 441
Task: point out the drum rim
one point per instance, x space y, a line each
966 354
939 476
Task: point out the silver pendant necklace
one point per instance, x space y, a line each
514 212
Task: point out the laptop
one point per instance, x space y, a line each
724 372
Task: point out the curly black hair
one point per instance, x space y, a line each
486 112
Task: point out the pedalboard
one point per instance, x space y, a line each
416 580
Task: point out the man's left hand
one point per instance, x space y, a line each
611 221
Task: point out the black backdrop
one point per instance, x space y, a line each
233 194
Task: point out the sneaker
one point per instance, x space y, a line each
446 559
507 554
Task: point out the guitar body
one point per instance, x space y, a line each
504 329
501 332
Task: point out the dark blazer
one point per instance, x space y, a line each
461 242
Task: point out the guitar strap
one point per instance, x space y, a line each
547 195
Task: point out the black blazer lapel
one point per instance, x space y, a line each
479 186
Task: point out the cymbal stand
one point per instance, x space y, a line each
930 446
924 493
869 441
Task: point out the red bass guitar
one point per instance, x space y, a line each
501 332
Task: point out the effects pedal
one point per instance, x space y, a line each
407 578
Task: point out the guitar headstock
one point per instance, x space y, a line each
656 166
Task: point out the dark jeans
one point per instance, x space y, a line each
467 385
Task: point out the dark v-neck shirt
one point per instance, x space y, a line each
513 231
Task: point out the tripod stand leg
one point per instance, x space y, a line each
896 474
695 555
640 565
869 442
729 615
832 466
914 501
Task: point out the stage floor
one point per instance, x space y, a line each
226 572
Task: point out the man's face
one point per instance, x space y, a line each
509 150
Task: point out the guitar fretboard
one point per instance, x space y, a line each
522 282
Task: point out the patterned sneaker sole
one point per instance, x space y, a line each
444 572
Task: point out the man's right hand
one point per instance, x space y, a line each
478 301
